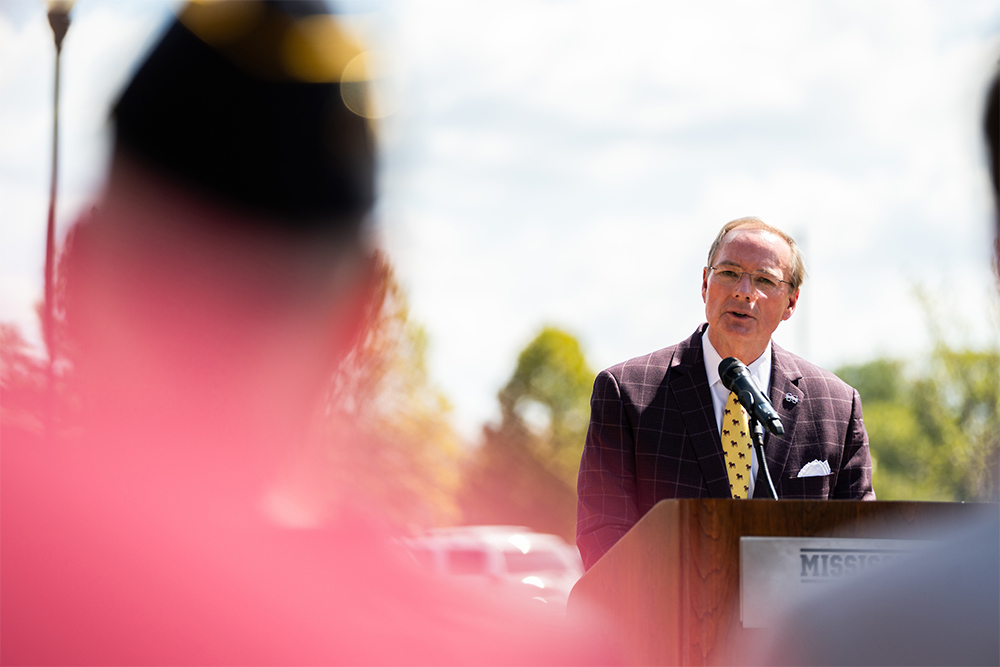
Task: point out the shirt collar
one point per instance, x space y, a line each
760 368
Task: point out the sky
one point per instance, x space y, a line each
569 163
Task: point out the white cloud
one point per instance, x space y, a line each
650 124
569 163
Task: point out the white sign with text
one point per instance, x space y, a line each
778 573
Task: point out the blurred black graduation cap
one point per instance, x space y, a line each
243 101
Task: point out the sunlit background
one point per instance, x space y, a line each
568 163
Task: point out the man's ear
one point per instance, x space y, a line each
704 285
793 300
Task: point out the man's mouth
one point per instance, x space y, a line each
738 315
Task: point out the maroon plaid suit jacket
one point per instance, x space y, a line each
653 435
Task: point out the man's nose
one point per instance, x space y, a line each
744 286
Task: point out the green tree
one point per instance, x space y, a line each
934 432
524 471
551 387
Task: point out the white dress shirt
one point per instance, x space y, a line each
760 369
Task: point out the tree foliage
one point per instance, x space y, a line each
550 389
37 396
934 430
524 471
386 431
23 379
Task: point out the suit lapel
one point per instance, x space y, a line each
689 387
785 396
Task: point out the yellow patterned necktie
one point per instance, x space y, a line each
736 447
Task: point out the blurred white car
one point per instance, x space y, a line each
536 565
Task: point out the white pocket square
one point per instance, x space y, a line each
815 468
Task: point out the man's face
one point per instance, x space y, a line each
742 316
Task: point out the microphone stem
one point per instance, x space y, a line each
758 443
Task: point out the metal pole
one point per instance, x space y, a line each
757 431
59 20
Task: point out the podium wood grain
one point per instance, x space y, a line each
670 589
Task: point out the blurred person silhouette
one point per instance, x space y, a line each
939 607
222 276
660 423
991 130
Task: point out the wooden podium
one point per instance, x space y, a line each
670 588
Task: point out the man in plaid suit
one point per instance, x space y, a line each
655 420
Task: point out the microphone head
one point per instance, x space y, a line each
729 369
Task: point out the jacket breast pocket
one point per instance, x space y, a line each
817 487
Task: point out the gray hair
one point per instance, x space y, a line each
798 268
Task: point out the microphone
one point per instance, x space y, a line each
737 379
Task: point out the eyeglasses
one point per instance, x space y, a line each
762 282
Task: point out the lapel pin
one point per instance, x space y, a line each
791 398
